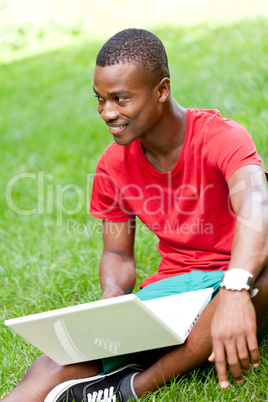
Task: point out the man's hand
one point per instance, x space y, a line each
234 335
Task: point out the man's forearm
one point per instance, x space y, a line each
117 275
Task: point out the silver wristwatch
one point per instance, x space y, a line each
237 279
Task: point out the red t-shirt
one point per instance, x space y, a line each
188 208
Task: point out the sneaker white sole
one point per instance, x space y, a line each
61 388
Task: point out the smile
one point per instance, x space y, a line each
117 129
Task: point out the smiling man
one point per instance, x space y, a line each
195 179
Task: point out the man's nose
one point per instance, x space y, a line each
109 112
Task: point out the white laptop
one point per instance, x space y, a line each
112 327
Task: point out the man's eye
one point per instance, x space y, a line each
119 99
99 98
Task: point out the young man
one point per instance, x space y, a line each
195 179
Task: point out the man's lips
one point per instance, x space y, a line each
117 129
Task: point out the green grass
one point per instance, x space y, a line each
50 128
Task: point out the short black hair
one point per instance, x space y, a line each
139 47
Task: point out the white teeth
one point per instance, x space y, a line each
117 128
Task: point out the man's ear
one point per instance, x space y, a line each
163 89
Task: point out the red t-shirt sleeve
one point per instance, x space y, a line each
229 146
106 202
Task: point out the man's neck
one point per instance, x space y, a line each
162 148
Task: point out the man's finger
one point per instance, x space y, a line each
220 364
243 354
253 348
233 362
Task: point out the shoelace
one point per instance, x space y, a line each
106 395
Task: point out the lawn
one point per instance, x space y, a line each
51 139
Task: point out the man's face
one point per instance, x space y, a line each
126 102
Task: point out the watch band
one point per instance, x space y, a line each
237 279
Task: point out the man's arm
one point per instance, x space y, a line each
234 322
117 265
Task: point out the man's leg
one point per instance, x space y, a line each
45 374
196 350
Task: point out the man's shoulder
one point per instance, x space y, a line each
199 116
114 150
112 147
200 121
117 155
211 121
211 115
205 113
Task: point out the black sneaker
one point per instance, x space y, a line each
116 386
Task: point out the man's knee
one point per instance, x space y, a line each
44 367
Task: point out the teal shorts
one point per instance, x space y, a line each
194 280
